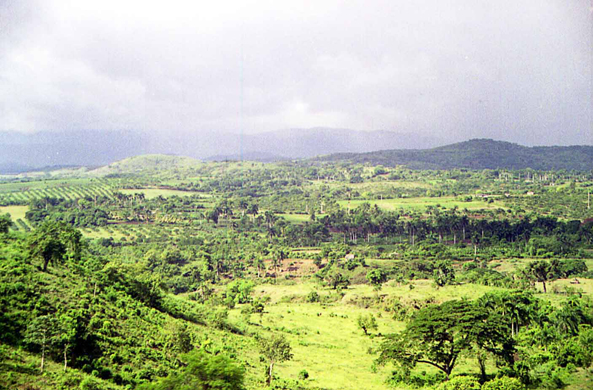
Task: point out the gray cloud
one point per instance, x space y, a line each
511 70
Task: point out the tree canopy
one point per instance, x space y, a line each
439 334
53 242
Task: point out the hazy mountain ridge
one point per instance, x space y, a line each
84 148
22 152
478 154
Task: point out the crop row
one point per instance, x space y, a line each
133 231
66 192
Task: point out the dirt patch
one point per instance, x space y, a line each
294 268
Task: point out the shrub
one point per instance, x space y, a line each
460 383
89 384
312 297
503 383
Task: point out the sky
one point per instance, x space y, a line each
513 70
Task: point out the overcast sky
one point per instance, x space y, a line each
515 70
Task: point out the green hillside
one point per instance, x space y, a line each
478 154
109 325
145 164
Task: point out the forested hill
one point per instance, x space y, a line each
478 154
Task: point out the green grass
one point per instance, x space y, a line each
327 343
150 193
334 360
326 340
420 204
16 212
298 218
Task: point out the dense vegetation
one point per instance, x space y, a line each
479 154
166 273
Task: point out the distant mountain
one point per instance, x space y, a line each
305 143
150 163
84 148
81 148
249 156
9 168
478 154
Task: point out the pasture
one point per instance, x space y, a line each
326 339
16 212
151 193
421 203
298 218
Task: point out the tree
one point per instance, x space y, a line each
517 307
259 264
438 334
376 277
444 273
366 323
253 210
542 271
53 241
338 281
203 371
5 223
41 332
276 349
279 254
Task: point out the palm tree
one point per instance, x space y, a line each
258 262
542 271
570 316
253 210
270 218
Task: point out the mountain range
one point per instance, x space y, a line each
22 151
478 154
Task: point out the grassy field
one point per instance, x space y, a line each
335 352
298 218
420 204
150 193
325 338
334 360
16 212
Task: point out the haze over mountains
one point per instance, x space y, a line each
20 151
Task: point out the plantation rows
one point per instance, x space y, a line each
21 225
67 192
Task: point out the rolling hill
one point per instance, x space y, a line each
478 154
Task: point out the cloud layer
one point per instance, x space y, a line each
511 70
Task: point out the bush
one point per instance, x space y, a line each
460 383
203 371
503 383
90 384
367 323
312 297
571 352
423 379
303 375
